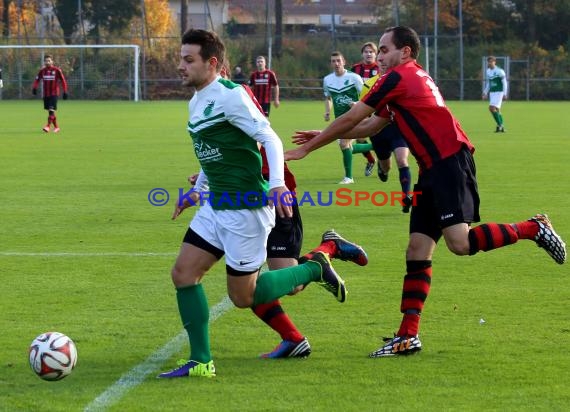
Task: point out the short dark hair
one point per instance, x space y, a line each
405 36
210 44
337 53
491 59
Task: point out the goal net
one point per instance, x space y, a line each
91 71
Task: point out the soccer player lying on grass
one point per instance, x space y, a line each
449 200
225 127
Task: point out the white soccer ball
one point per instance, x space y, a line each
53 356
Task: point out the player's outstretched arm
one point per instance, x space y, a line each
368 127
338 129
303 136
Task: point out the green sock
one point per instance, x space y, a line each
496 117
500 116
277 283
347 162
361 147
194 312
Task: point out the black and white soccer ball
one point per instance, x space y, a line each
53 356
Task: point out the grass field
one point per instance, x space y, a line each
83 252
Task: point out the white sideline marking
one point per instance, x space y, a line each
138 374
85 254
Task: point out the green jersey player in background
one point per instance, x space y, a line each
342 89
496 90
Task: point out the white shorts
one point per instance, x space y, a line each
241 234
496 99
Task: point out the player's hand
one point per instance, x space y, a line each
276 103
327 117
64 96
295 154
282 199
192 179
483 97
505 97
184 203
34 91
303 136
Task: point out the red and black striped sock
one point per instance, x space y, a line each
489 236
527 229
328 247
273 315
414 294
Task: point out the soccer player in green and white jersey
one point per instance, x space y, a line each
239 212
496 90
342 89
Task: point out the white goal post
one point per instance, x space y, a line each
93 71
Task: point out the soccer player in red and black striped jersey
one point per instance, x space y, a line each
367 69
51 77
264 85
448 201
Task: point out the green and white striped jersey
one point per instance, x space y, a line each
495 80
343 90
223 119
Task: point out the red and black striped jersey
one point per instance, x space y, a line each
366 71
261 83
431 131
51 77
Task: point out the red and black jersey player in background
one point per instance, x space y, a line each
264 85
447 200
51 77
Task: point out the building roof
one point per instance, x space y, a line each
243 8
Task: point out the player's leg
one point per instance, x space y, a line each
495 101
52 111
346 150
424 235
47 106
462 240
243 234
382 148
283 250
195 258
362 146
401 154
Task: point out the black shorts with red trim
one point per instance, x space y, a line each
448 196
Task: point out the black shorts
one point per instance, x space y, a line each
266 108
386 141
50 102
448 195
286 238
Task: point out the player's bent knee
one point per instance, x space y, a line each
181 277
240 300
460 248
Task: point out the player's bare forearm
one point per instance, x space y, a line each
368 127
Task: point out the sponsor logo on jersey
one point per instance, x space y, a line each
206 153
